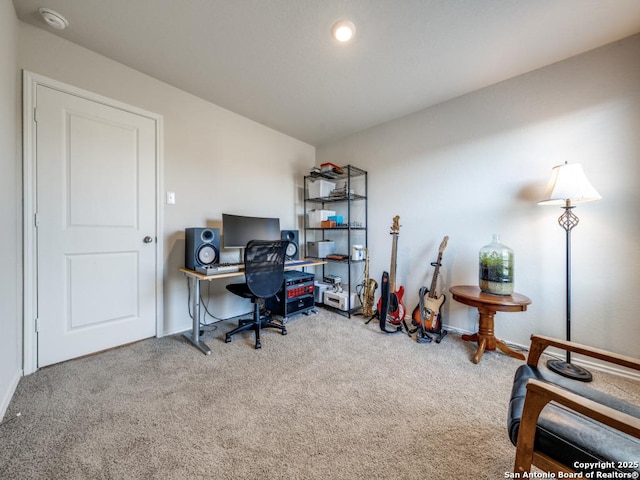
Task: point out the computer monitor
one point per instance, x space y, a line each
238 230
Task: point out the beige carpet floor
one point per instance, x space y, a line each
333 399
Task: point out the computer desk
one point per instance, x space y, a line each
195 278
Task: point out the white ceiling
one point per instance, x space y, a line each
274 61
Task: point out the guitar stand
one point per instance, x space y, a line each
441 334
423 337
383 324
384 328
381 314
410 331
421 334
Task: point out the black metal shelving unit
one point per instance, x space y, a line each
351 200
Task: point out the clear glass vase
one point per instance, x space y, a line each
496 268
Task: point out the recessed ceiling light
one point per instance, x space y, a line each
53 18
343 31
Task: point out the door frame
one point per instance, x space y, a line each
30 82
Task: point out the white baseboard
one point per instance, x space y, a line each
8 395
170 332
589 365
600 367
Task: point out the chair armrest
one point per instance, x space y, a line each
539 394
539 343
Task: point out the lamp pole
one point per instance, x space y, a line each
568 283
568 220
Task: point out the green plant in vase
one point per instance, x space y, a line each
496 268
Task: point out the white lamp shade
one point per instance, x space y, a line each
569 183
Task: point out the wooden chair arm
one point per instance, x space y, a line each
539 394
539 343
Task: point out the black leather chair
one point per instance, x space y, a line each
264 276
563 425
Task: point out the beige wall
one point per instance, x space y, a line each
214 160
478 164
10 273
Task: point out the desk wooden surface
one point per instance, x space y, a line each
202 276
305 262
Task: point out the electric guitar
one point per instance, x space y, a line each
383 304
395 308
427 312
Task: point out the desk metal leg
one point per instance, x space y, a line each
194 337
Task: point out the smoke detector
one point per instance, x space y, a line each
53 18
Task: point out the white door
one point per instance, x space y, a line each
96 226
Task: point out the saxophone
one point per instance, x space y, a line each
369 290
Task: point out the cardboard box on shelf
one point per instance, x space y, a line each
317 216
320 249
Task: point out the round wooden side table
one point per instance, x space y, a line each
487 306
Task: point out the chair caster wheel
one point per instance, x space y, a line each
227 339
284 332
258 346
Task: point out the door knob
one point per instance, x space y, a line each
148 239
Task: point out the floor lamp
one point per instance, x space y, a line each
567 187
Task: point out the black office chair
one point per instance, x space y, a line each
264 274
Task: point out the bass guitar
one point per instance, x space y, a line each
395 307
427 315
383 305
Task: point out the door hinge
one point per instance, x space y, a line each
37 325
35 115
36 220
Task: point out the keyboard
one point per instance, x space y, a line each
293 263
220 268
238 267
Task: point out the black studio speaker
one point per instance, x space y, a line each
202 247
293 250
